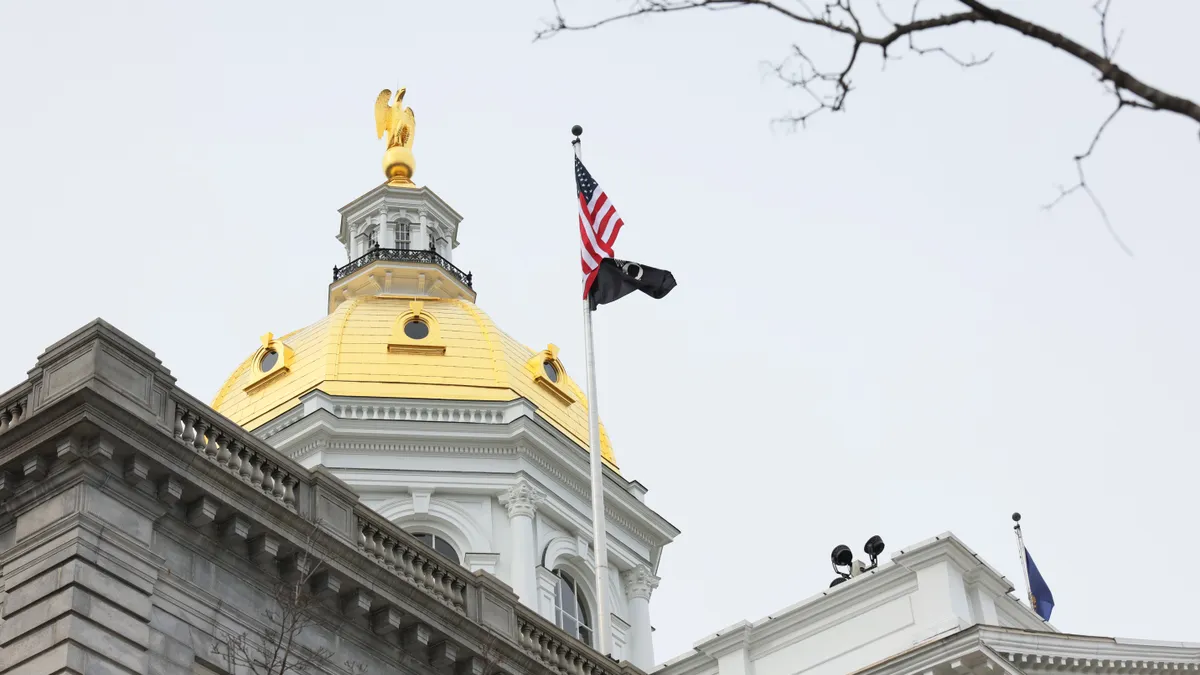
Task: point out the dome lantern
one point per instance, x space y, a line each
399 241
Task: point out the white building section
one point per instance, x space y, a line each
935 609
504 490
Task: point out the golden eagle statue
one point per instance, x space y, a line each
397 125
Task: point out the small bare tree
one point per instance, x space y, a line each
294 608
827 89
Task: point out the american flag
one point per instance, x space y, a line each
599 225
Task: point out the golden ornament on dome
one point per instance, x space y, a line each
397 125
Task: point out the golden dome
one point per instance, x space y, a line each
361 349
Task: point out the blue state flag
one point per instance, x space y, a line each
1040 597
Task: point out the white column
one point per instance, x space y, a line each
386 237
420 238
639 583
522 501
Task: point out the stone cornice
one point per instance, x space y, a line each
1015 652
730 639
1085 654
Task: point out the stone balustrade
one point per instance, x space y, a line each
14 406
211 435
411 560
555 649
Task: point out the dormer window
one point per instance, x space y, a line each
416 329
416 332
268 361
546 370
273 360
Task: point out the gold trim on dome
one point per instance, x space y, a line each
283 363
534 366
400 343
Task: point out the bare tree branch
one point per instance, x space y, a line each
1156 99
276 650
839 17
828 88
1082 185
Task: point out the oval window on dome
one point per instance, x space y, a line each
550 370
268 360
416 329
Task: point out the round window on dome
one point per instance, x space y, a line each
550 370
416 329
268 360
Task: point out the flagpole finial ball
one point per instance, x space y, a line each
1016 517
576 131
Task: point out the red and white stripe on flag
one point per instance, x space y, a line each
599 224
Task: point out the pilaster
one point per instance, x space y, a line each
79 581
547 583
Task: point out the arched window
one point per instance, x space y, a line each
403 235
438 544
570 609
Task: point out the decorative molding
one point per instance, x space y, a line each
399 410
522 499
392 449
639 582
535 456
557 456
279 423
561 548
420 500
444 518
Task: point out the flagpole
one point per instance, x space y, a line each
599 535
1024 560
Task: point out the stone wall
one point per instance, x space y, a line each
139 530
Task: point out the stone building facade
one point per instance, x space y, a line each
140 530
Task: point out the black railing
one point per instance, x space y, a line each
402 255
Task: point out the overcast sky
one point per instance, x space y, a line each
876 329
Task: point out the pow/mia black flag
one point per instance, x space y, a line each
617 278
